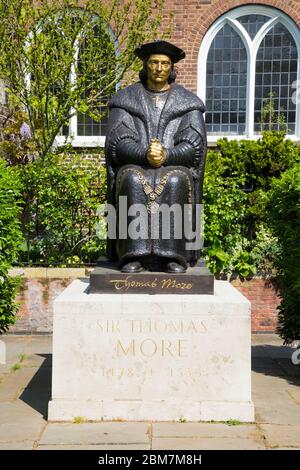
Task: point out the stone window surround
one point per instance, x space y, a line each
252 47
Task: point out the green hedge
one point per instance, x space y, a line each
236 193
284 212
10 241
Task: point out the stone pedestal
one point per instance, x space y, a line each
151 357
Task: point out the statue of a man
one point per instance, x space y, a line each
155 155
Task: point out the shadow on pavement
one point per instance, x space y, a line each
38 392
276 361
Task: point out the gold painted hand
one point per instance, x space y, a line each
156 154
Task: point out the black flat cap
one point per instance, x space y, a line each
160 47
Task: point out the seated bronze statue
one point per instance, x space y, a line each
155 155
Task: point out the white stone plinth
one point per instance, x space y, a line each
151 357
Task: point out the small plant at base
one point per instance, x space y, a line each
79 420
233 422
22 357
15 367
182 419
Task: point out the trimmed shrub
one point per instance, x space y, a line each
10 241
62 194
284 213
237 185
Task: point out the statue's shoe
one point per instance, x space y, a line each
173 267
132 267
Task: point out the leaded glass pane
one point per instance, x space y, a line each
226 82
276 70
253 23
86 126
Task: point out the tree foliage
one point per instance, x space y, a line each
61 57
10 241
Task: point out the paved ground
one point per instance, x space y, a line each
25 386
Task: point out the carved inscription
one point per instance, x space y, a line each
166 283
150 338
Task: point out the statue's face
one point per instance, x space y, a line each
159 67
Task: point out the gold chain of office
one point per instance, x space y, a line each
153 193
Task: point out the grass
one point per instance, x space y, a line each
15 367
22 357
229 422
233 422
79 419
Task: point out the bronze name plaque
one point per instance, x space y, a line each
107 279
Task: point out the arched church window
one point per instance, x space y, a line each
249 73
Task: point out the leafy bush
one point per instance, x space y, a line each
10 241
62 193
284 210
236 193
41 40
224 211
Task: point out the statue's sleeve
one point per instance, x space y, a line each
122 142
189 141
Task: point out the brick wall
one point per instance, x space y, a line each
42 285
193 18
264 301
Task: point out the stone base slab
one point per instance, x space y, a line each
144 357
150 411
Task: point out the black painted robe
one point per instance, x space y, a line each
133 122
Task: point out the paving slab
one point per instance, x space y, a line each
290 369
268 338
278 352
267 383
258 351
25 445
19 423
281 436
36 360
295 394
15 346
39 344
263 398
264 363
181 443
276 395
107 447
204 430
14 382
95 433
15 433
17 412
284 415
41 379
